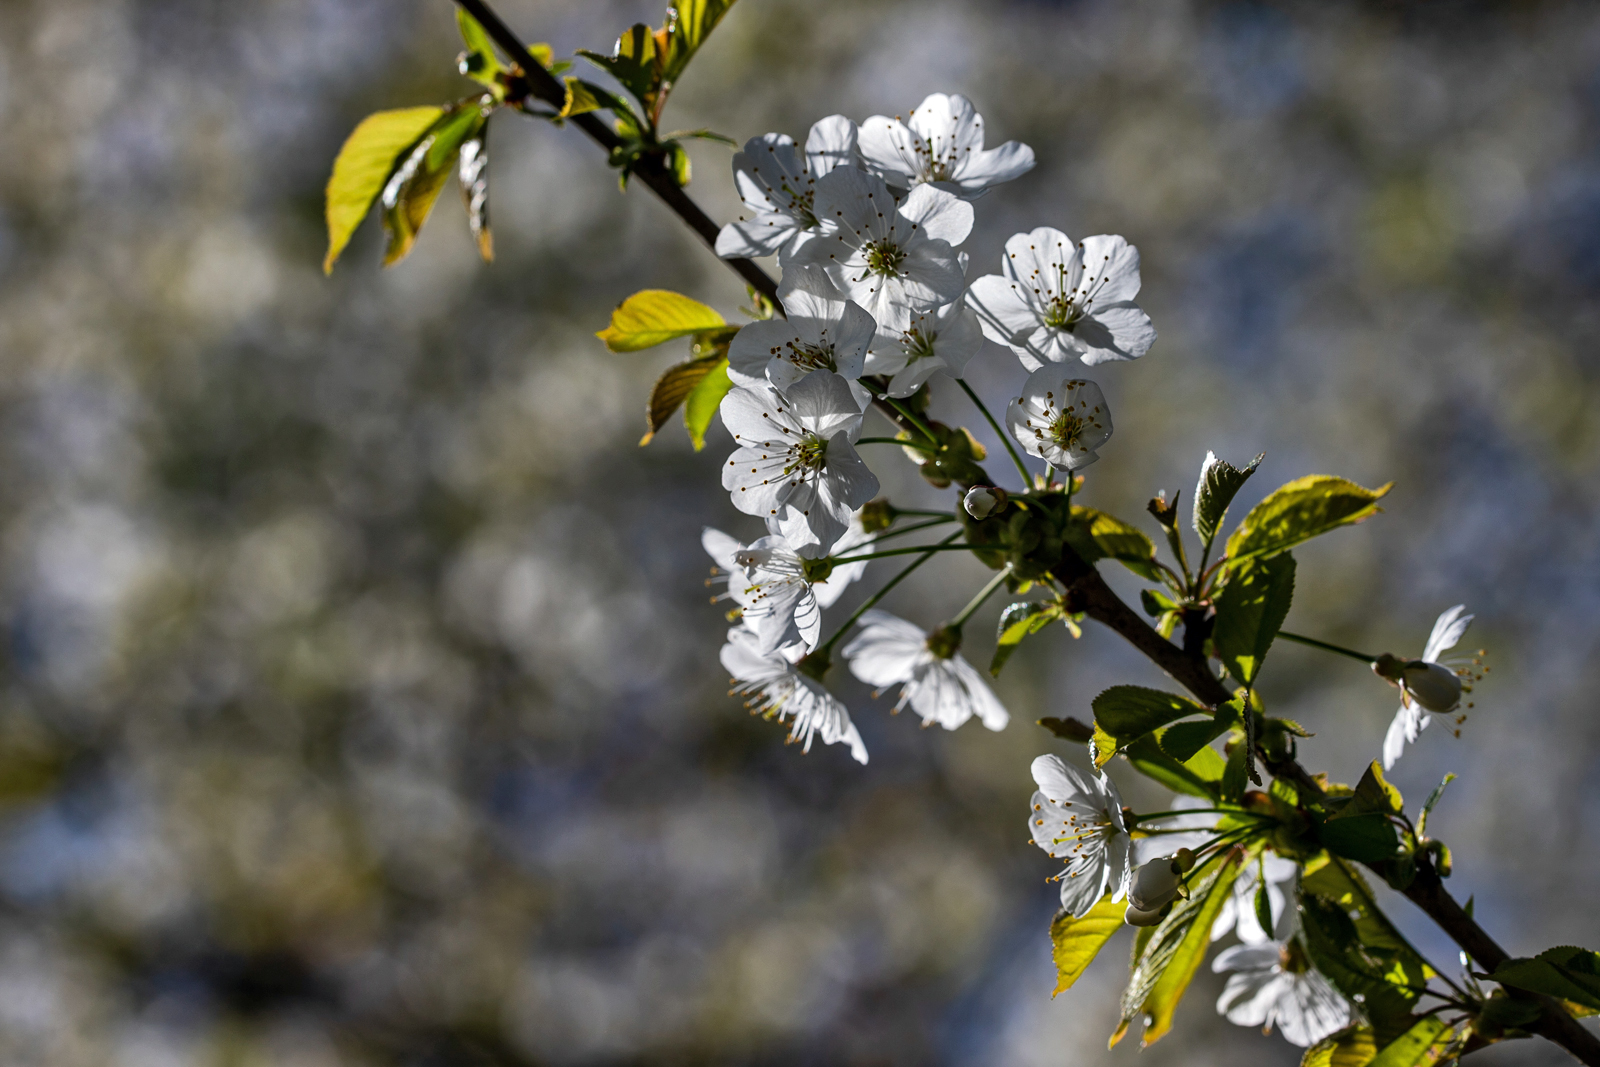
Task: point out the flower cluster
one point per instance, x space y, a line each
867 223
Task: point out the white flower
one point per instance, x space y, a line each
777 184
796 466
1239 909
1061 420
922 342
768 581
1427 686
830 589
982 500
1151 888
941 143
1080 821
779 690
1055 301
1273 985
890 257
823 331
944 690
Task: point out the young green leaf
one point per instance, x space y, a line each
1567 972
1174 953
1263 903
1235 777
1354 1047
1094 535
1299 511
704 401
409 196
1076 942
1433 798
1200 775
1412 1048
1219 481
480 62
1373 795
674 386
654 316
473 174
1250 611
1018 621
689 23
1182 740
1369 838
633 63
1125 713
370 156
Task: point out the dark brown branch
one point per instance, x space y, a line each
1086 589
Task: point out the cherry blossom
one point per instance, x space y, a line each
779 689
777 183
1427 686
941 142
1061 420
822 331
942 689
1080 820
1273 984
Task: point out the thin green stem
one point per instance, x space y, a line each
1138 818
977 601
911 511
826 648
1326 647
913 528
918 445
942 546
1027 479
910 416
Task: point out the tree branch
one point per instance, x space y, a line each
1087 591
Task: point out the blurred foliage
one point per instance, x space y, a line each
361 700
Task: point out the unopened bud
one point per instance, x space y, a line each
877 515
1155 884
1432 685
1142 916
984 500
1184 858
1165 513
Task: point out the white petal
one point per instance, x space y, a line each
887 148
887 650
831 143
763 235
856 203
1110 269
984 704
942 216
983 169
1113 333
1311 1010
1448 629
1063 783
1081 893
1005 311
721 548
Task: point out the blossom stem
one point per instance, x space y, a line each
1186 811
1027 479
918 445
977 601
910 511
942 546
910 416
913 528
826 648
1326 647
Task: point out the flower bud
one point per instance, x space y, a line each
1433 686
877 515
984 500
1142 916
1155 884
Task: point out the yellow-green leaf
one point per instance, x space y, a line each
479 62
704 402
1185 961
1412 1047
1095 535
1301 510
654 316
688 26
1250 610
1125 713
581 98
1354 1047
370 156
412 190
673 387
1076 942
1373 795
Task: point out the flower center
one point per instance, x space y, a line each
1062 313
1066 429
884 256
918 344
1292 959
810 454
811 357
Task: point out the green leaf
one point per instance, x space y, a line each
1412 1047
1183 740
654 316
1068 729
480 62
1433 798
1567 972
704 402
674 386
632 62
1200 775
585 96
1367 838
1299 511
1263 904
1094 535
1250 611
689 23
1235 776
412 189
1076 942
1175 952
1354 1047
473 173
1373 795
1219 481
370 156
1018 621
1125 713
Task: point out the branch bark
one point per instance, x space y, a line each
1085 586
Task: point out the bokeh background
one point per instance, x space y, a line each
361 703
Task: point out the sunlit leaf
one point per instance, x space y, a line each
473 173
1074 943
1175 951
1354 1047
654 316
1200 775
414 187
1125 713
1019 621
370 156
674 387
1433 798
1567 972
1373 795
1095 535
1301 510
1219 481
1413 1047
1250 610
704 402
689 23
480 61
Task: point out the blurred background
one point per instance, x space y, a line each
361 701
